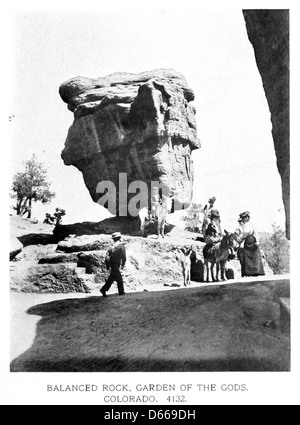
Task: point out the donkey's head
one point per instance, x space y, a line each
231 240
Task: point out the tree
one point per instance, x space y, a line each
194 217
30 186
277 250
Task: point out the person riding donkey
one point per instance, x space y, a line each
213 233
207 211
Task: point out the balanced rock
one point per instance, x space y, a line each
141 126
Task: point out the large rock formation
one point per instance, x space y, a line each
268 31
140 124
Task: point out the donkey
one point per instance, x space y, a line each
186 265
218 254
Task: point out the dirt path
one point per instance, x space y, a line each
217 327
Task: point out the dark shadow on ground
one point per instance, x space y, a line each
215 328
37 239
197 268
129 226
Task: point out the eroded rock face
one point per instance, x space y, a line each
48 278
268 31
140 124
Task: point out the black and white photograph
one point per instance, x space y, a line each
148 199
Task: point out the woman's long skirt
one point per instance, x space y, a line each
251 261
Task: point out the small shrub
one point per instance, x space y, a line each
194 218
276 248
56 218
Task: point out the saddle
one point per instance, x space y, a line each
210 250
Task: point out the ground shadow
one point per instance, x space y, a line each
199 329
197 268
129 226
37 239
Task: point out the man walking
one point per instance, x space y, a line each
115 260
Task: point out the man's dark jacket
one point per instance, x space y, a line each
116 256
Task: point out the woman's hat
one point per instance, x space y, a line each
244 215
116 235
211 199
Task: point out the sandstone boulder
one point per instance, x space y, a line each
58 257
139 125
48 278
92 261
30 232
15 247
85 243
268 31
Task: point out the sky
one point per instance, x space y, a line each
236 162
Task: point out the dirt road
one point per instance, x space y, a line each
231 327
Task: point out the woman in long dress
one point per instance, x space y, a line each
249 252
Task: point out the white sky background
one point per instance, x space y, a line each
236 162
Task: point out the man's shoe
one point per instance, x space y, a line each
122 293
103 292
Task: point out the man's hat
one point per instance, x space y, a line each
212 199
214 213
116 235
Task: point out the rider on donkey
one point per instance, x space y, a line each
207 211
213 233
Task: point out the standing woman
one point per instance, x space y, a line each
249 252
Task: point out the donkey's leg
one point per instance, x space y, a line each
212 272
217 270
143 229
207 270
223 275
